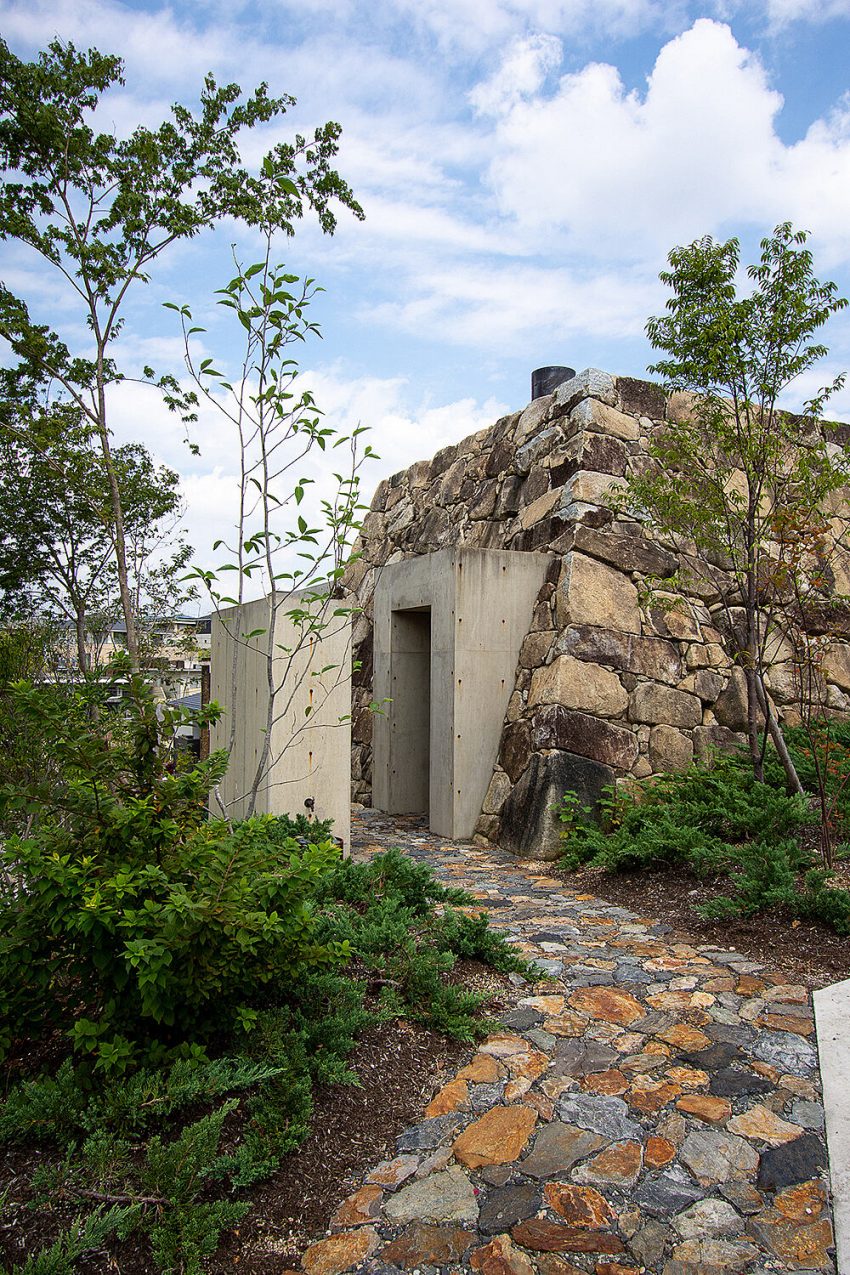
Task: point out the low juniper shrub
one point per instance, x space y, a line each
718 822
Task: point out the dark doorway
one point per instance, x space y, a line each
410 730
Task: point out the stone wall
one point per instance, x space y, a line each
618 678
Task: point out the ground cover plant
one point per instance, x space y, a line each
174 987
753 840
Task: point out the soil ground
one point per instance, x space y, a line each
810 954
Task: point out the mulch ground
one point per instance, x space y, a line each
400 1066
810 954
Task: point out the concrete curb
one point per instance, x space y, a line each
832 1021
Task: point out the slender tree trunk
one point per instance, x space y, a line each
117 521
778 740
751 668
82 649
752 724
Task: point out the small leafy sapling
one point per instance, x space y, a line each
283 545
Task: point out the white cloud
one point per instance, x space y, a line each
476 25
153 43
402 427
619 174
521 73
814 184
514 306
780 13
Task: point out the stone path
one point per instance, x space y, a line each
650 1106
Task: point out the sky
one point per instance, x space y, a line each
524 167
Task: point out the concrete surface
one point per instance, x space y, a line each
448 630
310 752
832 1020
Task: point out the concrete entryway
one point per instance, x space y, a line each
448 630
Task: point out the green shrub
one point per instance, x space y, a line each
165 924
177 1173
385 911
390 876
717 821
67 1108
208 976
822 902
763 875
87 1234
830 744
696 817
298 827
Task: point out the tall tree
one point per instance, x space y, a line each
101 210
723 475
57 555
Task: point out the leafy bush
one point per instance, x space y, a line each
695 817
820 901
87 1234
300 828
165 924
136 1135
208 975
716 820
763 875
825 748
390 876
384 910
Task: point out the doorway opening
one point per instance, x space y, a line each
410 752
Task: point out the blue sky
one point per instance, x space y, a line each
524 167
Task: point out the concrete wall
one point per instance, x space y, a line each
310 752
832 1011
448 630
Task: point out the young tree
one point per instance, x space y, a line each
57 554
283 545
100 210
722 477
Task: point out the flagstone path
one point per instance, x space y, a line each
649 1106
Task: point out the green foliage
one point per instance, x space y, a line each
286 828
67 1108
391 876
164 922
696 817
384 910
738 354
86 1235
826 746
472 938
824 903
55 521
763 874
716 821
177 1173
138 1136
101 209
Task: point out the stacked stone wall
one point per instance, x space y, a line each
619 677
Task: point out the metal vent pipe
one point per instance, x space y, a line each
546 379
